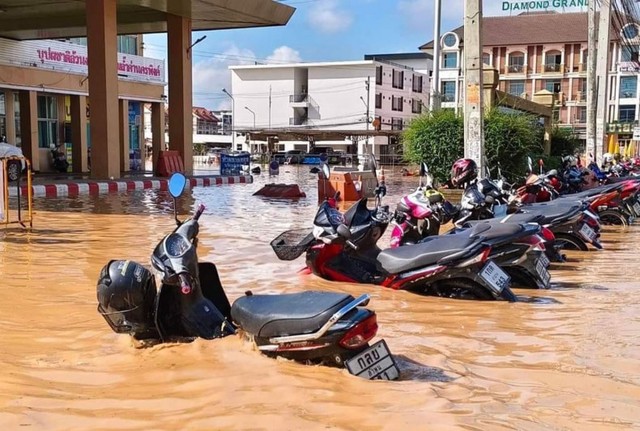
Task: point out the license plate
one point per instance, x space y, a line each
495 277
545 260
636 209
541 269
375 363
588 233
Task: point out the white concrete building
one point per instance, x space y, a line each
328 96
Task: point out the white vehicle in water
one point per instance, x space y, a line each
8 150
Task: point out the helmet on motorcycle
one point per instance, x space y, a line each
126 298
463 171
607 159
569 161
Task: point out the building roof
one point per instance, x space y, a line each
205 114
361 63
400 56
530 29
54 19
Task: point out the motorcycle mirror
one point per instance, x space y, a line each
177 183
326 170
529 164
489 199
343 231
424 169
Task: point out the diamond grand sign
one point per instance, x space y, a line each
542 5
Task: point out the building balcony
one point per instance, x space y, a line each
516 68
580 96
553 68
298 121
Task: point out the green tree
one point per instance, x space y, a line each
437 139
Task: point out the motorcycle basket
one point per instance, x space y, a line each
290 244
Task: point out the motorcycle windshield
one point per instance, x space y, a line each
328 217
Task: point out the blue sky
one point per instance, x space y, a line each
319 30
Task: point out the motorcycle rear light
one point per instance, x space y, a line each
547 234
360 334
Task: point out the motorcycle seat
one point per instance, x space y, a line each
286 314
397 260
547 212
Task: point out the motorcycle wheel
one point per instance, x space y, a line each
570 242
460 289
611 217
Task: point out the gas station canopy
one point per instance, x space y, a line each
52 19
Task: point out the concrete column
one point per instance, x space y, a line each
79 146
157 132
180 89
10 116
602 80
29 127
103 88
123 105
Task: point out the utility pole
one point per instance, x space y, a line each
434 97
602 73
269 107
592 82
473 97
367 83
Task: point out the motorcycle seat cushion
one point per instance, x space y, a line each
286 314
547 212
397 260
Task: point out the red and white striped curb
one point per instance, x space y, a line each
103 187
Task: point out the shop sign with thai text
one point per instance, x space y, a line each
70 57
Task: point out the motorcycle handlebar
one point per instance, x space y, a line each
198 212
352 245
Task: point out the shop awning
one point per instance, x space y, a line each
51 19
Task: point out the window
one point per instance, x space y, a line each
553 85
516 62
396 123
449 60
47 121
628 87
396 103
417 84
581 115
486 59
516 88
128 44
416 106
582 92
585 56
627 113
630 31
398 79
449 40
448 91
378 100
553 61
205 127
379 75
629 53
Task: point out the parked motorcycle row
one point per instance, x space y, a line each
501 236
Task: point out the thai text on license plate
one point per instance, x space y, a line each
541 269
588 233
495 277
636 208
375 363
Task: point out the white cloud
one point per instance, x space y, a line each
211 75
327 17
284 54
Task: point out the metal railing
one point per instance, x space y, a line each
552 67
516 68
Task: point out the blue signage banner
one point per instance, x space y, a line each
233 164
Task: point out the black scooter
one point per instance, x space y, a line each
317 327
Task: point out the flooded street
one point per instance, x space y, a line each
564 359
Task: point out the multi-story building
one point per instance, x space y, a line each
50 78
351 95
544 52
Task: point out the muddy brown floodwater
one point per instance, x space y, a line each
564 359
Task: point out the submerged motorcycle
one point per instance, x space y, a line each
190 302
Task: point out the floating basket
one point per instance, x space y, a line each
290 244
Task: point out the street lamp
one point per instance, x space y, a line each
233 120
254 126
254 116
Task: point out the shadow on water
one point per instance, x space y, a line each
43 236
411 370
542 300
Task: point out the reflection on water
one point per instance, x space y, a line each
565 358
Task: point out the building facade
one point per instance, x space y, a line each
354 95
541 53
44 93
